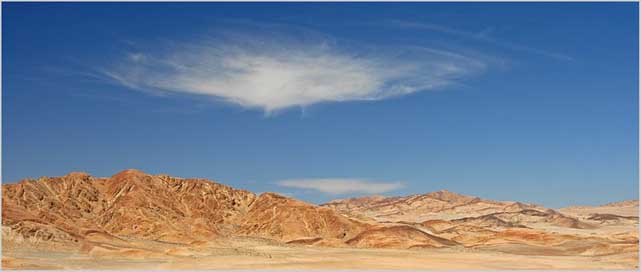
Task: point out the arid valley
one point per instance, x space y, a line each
135 220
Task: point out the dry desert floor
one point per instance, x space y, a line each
249 253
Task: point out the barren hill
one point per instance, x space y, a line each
160 208
622 208
287 219
136 215
478 223
417 208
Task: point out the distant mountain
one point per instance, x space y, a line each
626 203
621 208
421 207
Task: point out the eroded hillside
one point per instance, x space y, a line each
136 215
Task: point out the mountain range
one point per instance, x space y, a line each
122 213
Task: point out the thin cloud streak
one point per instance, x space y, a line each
337 186
482 36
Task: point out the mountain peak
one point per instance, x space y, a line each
448 196
78 174
272 195
625 203
129 173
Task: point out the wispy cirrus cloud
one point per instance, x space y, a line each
337 186
483 36
274 68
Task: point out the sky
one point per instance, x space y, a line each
535 102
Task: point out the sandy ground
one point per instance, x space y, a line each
250 255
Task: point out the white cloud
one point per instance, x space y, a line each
341 186
275 69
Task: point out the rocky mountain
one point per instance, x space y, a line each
398 237
524 218
482 224
133 204
132 211
287 219
622 208
625 203
443 204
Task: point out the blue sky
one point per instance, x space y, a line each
534 102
